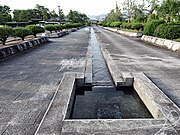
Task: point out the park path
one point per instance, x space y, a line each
162 66
29 80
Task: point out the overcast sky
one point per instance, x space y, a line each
89 7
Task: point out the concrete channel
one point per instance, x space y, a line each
106 101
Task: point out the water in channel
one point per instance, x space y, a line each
103 100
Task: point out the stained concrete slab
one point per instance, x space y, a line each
120 127
29 80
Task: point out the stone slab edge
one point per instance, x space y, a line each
88 70
61 34
58 107
165 43
17 48
156 101
126 33
117 127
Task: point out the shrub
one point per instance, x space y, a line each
76 25
58 27
127 25
50 27
35 29
137 26
150 27
67 25
167 31
116 24
21 32
5 32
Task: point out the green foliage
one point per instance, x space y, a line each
5 15
50 27
127 25
137 26
77 17
21 32
114 15
5 32
58 27
35 29
150 27
116 24
168 31
169 10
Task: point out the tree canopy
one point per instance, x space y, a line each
5 15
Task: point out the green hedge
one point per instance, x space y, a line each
35 29
116 24
5 32
50 27
21 32
150 27
168 31
127 25
59 27
137 26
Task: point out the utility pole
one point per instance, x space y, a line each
59 11
128 11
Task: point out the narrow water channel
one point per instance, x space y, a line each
100 72
103 100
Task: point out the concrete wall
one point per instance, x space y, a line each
126 33
17 48
170 44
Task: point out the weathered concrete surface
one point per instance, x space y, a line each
160 65
117 127
28 81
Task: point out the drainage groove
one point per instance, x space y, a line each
103 100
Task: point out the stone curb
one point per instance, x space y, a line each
62 33
169 44
17 48
126 33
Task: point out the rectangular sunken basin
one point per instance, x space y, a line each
100 102
160 114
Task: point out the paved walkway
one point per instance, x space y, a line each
162 66
29 80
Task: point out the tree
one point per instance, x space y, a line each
23 15
77 17
53 15
35 29
5 15
169 10
21 32
43 12
128 7
5 32
61 14
114 15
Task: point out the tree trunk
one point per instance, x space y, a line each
22 38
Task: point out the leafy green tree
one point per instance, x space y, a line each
23 15
43 12
169 10
114 15
5 32
53 15
21 32
5 15
77 17
50 27
35 29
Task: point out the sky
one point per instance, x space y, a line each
89 7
